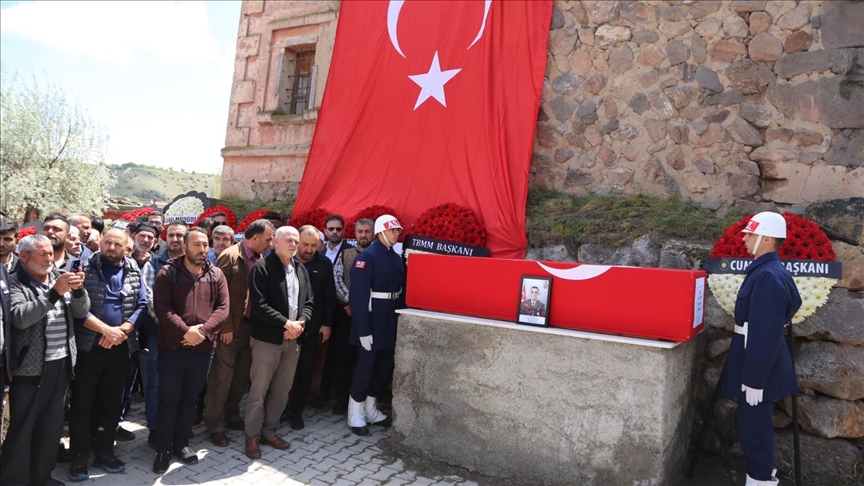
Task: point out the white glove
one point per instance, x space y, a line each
752 395
366 342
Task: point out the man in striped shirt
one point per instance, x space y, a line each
43 302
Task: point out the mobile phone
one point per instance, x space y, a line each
75 267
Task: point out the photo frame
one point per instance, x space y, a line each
534 300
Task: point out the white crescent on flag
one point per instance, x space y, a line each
582 272
393 23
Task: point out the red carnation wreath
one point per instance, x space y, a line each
137 213
30 230
451 222
371 212
805 240
232 218
253 216
316 217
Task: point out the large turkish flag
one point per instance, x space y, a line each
430 102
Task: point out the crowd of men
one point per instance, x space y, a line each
197 321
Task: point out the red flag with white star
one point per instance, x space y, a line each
429 102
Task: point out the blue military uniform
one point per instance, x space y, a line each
376 269
767 300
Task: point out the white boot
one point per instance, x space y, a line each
754 482
373 415
356 417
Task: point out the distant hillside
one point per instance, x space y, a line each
143 183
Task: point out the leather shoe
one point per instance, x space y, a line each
275 442
297 421
124 435
387 422
361 431
236 425
186 455
163 460
253 450
219 439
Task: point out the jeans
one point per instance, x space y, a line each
148 358
183 374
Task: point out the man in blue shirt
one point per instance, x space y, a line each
759 366
106 339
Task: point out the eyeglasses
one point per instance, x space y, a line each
155 223
335 229
396 230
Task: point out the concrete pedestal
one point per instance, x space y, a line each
542 405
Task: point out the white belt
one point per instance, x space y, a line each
386 295
743 331
382 295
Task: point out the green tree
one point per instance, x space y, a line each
52 154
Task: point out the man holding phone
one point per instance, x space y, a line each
43 302
317 329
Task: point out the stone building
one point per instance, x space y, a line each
280 70
748 103
716 100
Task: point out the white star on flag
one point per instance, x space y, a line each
432 83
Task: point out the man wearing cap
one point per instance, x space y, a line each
377 280
145 235
759 366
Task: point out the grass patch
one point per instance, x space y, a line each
555 218
242 207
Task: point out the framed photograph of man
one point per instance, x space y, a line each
534 294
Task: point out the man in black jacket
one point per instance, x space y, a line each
43 302
106 340
5 336
317 330
280 299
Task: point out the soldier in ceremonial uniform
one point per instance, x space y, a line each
377 280
759 367
533 306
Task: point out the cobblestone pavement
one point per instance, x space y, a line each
325 452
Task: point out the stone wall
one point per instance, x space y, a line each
539 407
718 101
829 348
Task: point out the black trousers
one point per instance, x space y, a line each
341 356
182 375
303 374
35 425
372 373
101 372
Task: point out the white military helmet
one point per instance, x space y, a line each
767 224
386 222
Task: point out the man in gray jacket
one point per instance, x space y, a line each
44 301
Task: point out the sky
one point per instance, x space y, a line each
156 75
